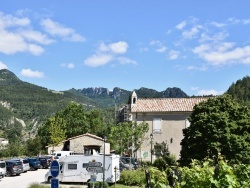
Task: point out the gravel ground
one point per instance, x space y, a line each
24 180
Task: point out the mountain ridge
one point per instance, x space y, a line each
26 106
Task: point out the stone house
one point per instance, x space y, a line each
3 142
81 143
167 117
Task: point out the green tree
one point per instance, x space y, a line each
164 158
126 134
218 126
56 131
240 91
33 147
75 120
96 123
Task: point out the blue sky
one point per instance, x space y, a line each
199 46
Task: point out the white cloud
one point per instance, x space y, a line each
160 47
32 74
192 33
246 60
109 52
217 24
181 25
215 37
35 49
223 53
210 92
97 60
173 54
16 36
233 20
125 60
3 66
119 47
69 65
116 48
143 49
11 43
35 36
56 29
103 47
12 21
201 68
168 32
246 21
194 88
155 42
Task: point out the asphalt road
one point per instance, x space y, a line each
24 180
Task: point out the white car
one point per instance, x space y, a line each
2 169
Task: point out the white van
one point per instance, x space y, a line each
78 168
2 169
59 154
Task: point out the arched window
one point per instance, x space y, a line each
134 100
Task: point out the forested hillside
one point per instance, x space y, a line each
24 106
240 90
28 101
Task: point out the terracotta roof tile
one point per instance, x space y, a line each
166 104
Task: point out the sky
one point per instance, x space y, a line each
201 47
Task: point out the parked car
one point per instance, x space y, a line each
13 167
2 169
123 165
44 162
25 163
34 163
130 160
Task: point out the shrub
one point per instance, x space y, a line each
160 163
97 184
36 185
133 177
158 178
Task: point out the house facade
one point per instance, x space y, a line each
3 142
166 117
81 143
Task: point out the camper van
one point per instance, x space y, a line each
79 168
59 154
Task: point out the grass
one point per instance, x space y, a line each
122 186
36 185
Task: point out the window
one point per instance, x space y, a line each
171 140
2 165
72 166
157 125
85 165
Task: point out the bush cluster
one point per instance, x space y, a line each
133 177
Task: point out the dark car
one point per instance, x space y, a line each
44 162
13 168
34 163
25 163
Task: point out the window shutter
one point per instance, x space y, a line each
157 125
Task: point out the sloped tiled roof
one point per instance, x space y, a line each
86 134
166 104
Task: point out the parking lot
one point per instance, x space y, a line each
30 177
